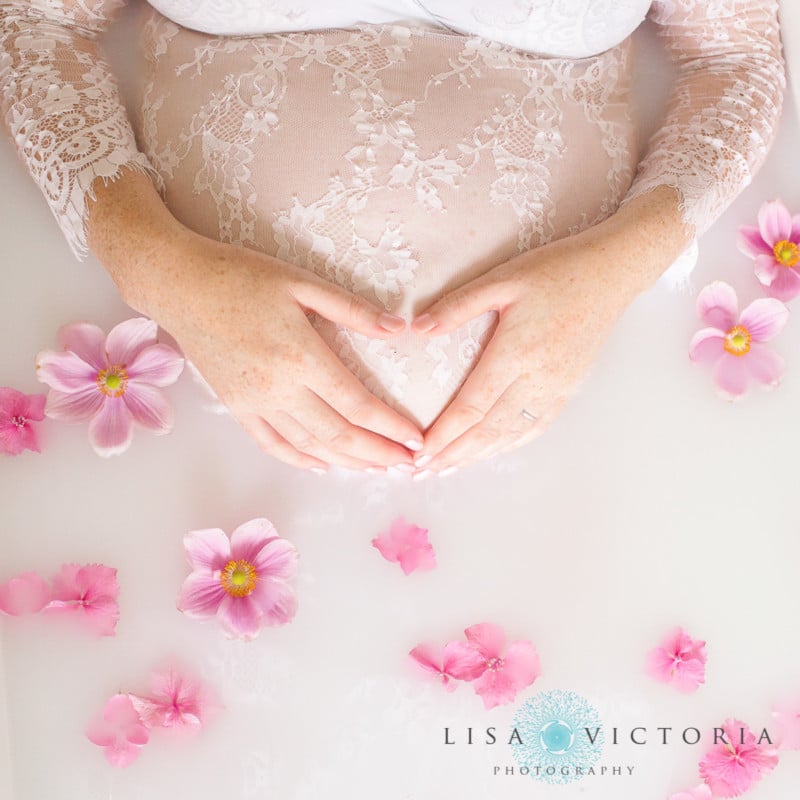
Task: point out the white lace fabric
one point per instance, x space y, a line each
397 160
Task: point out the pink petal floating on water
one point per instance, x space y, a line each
177 700
88 593
24 594
458 661
119 731
407 545
17 413
786 724
679 660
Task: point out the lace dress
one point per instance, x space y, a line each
398 150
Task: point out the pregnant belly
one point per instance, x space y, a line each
396 161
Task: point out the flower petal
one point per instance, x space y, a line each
24 594
767 269
149 407
158 365
751 243
731 374
249 538
111 429
488 638
785 286
462 661
717 305
208 549
126 340
276 600
707 346
774 222
201 595
87 341
764 364
277 559
764 318
521 664
786 724
240 616
75 406
65 371
495 688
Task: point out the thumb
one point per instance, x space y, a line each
461 305
346 308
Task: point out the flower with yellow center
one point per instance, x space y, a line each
239 578
112 381
737 340
786 253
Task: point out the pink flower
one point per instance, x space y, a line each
178 701
733 344
88 593
701 792
679 660
459 661
775 246
111 381
119 730
733 766
242 580
25 594
407 545
504 675
786 725
17 411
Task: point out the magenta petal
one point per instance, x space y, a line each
111 430
24 594
495 688
65 371
420 558
14 440
208 549
277 559
521 664
240 616
689 675
659 664
731 374
488 638
764 318
387 547
74 406
276 600
774 222
201 595
86 341
751 243
707 346
786 284
795 237
462 661
717 305
158 365
767 270
427 657
149 407
248 539
126 340
765 365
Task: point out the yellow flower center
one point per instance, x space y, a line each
239 578
112 381
737 340
786 253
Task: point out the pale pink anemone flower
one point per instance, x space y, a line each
113 380
17 411
119 731
786 724
504 673
701 792
25 594
407 545
87 594
178 700
733 344
775 246
680 661
241 580
731 767
458 661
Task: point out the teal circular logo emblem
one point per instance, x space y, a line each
562 736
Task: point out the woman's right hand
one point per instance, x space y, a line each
241 317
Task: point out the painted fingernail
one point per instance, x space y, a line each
449 471
375 470
391 322
421 476
423 460
413 444
424 323
318 470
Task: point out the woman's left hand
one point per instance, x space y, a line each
556 305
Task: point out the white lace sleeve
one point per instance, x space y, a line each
724 108
60 103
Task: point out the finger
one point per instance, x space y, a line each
458 307
303 440
341 390
338 435
274 444
346 308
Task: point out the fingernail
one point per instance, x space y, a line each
405 467
423 460
391 322
449 471
424 323
420 476
414 444
375 470
318 470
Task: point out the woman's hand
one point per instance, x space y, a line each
240 317
556 307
